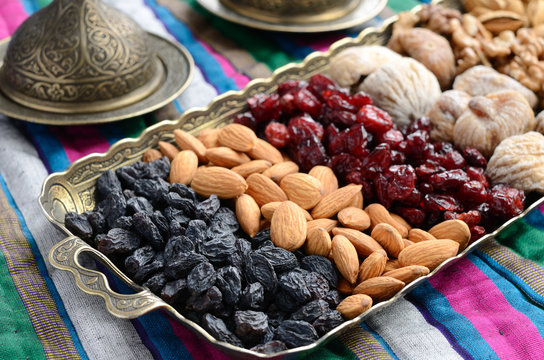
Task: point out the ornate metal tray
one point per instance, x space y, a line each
73 190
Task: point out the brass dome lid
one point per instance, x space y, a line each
79 56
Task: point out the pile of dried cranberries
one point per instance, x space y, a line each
318 123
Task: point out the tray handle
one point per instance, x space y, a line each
64 256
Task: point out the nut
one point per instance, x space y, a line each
226 184
388 237
408 274
151 155
237 137
208 137
373 265
288 226
265 151
183 167
168 150
354 305
430 253
417 235
248 214
327 224
379 288
267 210
345 257
354 218
335 201
318 242
278 171
226 157
364 244
455 230
326 176
252 167
187 141
264 190
379 214
303 189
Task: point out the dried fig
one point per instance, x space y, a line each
445 112
404 88
492 118
519 162
432 50
351 64
483 80
540 122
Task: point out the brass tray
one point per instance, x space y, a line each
73 190
363 12
178 67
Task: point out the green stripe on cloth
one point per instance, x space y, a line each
48 326
332 351
402 5
17 336
530 245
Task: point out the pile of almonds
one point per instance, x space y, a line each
310 211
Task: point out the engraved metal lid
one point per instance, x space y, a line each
292 11
79 56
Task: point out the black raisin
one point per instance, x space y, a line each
151 189
184 191
321 265
176 229
223 222
119 241
146 271
79 225
333 298
218 250
270 347
208 301
328 321
138 259
293 283
196 231
229 281
284 300
317 285
176 245
114 206
296 333
218 329
97 221
147 229
252 297
201 278
128 194
156 282
311 311
123 222
177 202
172 214
159 168
161 223
259 269
139 204
106 183
128 175
280 259
182 264
207 208
173 292
261 237
251 325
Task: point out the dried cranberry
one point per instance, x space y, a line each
506 201
423 123
416 143
392 137
381 183
264 107
288 105
378 160
356 140
443 147
453 160
290 86
319 83
374 119
427 169
414 216
426 188
471 217
307 102
476 232
338 100
277 134
246 119
402 182
361 99
344 164
477 174
340 117
356 177
473 192
413 199
302 127
397 157
309 153
450 180
474 158
440 202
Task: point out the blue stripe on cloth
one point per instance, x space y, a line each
513 294
49 147
463 332
40 263
154 328
535 218
211 70
29 5
378 338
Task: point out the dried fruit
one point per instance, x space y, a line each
226 184
288 226
430 253
445 112
354 305
345 257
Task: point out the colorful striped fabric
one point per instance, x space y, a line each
489 305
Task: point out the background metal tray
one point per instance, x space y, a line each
73 190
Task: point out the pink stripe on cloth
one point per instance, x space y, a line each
79 141
198 348
541 208
472 294
12 14
239 79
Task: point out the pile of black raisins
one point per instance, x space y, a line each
193 254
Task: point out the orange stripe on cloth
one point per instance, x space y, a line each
40 306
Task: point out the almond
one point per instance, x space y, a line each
248 214
354 218
354 305
183 167
237 137
407 242
278 171
430 253
400 220
264 190
388 237
357 200
456 230
318 242
252 167
151 155
303 189
343 286
168 149
265 151
226 157
327 224
187 141
408 274
379 288
379 214
391 264
288 226
418 235
373 265
364 244
335 201
226 184
208 137
264 224
502 20
346 258
267 210
325 175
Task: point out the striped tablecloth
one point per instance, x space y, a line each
488 306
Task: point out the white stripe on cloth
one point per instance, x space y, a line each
409 335
199 92
102 335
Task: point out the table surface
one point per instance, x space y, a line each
490 305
